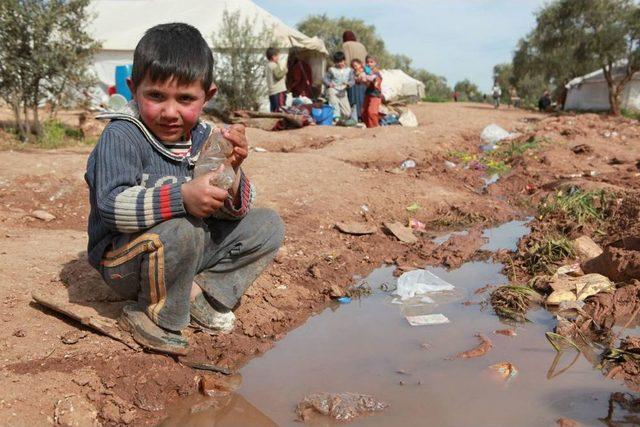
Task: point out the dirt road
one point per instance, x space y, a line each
313 177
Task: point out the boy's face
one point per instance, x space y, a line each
341 64
357 67
371 62
170 110
276 57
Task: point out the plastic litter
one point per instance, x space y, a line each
259 150
427 319
567 288
407 164
408 119
493 134
340 406
344 300
413 207
214 156
420 282
417 225
449 165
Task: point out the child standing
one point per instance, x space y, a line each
373 94
276 80
180 247
337 80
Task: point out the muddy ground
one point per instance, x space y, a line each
314 177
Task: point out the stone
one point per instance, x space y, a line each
586 248
43 215
403 233
356 228
74 411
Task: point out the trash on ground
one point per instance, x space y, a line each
586 248
356 228
449 165
478 351
567 288
43 215
505 332
493 134
344 300
413 207
570 270
505 369
420 282
417 225
259 150
427 319
407 164
404 234
340 406
408 119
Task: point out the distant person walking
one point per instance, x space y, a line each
299 78
455 96
496 92
353 50
514 99
544 103
276 84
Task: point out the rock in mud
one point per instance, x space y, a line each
43 215
620 261
404 234
340 406
586 248
74 411
336 291
356 228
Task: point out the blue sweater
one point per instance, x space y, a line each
134 182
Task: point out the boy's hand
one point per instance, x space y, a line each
200 198
235 134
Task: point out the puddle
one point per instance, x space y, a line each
505 236
360 347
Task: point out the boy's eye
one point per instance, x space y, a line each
186 98
154 95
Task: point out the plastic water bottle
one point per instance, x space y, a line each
214 156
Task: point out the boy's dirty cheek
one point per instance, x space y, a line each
191 114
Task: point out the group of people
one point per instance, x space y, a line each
352 85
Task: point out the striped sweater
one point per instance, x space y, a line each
134 182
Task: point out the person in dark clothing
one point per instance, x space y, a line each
299 77
544 102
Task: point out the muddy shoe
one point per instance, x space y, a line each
148 334
211 316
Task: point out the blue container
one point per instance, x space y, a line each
123 72
323 116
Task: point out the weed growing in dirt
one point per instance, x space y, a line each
56 134
577 205
543 256
517 148
494 167
462 156
631 114
455 217
512 302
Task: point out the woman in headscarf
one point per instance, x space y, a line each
353 49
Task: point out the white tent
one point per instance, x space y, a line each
119 25
590 92
397 84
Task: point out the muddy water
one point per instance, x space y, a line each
368 347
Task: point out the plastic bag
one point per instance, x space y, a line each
214 156
408 119
420 282
493 134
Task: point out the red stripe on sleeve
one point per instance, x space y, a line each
165 202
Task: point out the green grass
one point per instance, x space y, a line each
576 204
461 156
56 134
434 99
512 302
631 114
543 257
494 167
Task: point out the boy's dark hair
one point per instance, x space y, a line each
174 50
355 61
271 52
338 57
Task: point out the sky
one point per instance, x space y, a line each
457 39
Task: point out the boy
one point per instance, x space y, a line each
373 94
182 248
276 81
337 80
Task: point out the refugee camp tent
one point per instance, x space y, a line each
590 92
119 25
398 84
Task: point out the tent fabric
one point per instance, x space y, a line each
591 93
397 84
119 25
